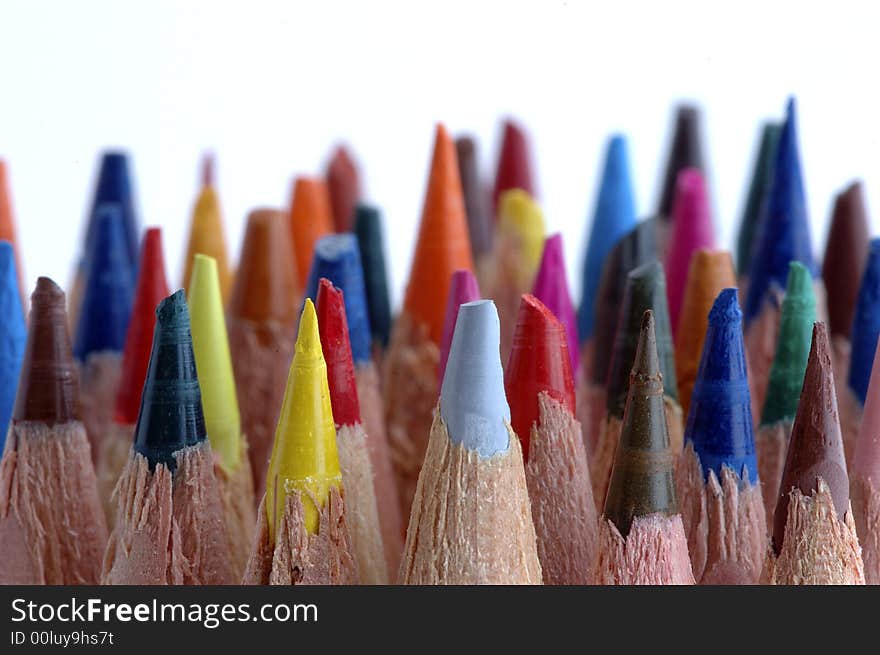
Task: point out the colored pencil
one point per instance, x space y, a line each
115 447
206 230
613 217
518 248
540 390
371 243
514 167
785 383
685 151
220 405
784 237
52 529
750 225
481 225
865 331
442 247
471 521
261 321
691 230
310 219
710 271
814 536
8 230
170 525
302 534
864 479
113 187
717 475
638 247
374 560
551 288
645 289
337 259
463 289
846 252
641 535
344 187
13 336
99 338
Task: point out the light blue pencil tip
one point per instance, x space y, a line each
472 400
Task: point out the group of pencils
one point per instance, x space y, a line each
699 418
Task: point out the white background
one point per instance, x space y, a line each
270 86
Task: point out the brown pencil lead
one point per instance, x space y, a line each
48 389
845 254
642 480
265 285
816 446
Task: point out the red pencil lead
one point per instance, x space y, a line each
333 329
152 288
539 362
514 163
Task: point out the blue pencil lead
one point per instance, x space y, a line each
114 187
13 336
865 325
171 416
784 226
719 423
109 288
614 216
337 258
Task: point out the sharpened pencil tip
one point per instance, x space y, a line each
338 259
109 287
642 477
538 363
48 390
472 400
719 424
815 448
304 456
792 347
333 328
170 417
613 217
214 362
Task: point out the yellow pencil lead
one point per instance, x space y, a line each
520 219
304 458
206 234
213 361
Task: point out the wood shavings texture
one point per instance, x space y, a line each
563 510
52 528
818 548
471 521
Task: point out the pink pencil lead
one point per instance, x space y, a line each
691 230
551 288
463 288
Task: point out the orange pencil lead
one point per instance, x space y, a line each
443 244
413 355
310 220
